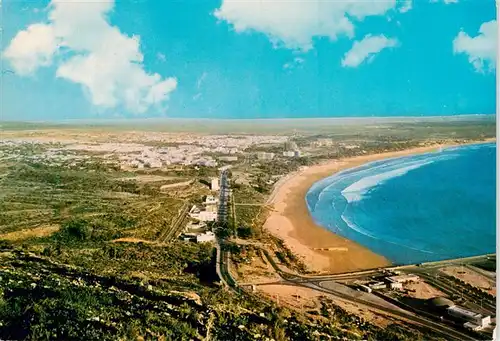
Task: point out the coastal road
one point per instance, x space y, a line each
336 289
343 292
424 267
439 328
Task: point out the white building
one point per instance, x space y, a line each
469 316
155 164
228 158
365 288
205 237
265 156
322 143
378 285
210 200
289 153
395 285
215 184
204 215
403 278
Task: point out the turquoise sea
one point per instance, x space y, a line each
414 209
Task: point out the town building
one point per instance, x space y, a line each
395 285
214 184
210 200
228 158
205 216
198 214
378 286
205 237
325 142
154 164
468 316
404 278
365 288
265 156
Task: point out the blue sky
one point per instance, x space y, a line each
253 59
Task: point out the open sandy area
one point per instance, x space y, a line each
472 277
423 290
307 299
321 250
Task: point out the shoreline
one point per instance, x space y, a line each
321 250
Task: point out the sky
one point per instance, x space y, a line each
102 59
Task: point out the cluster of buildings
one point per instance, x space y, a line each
46 154
323 142
186 150
470 319
270 156
197 230
389 282
159 157
196 151
445 307
209 210
230 141
265 156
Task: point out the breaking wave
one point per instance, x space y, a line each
358 190
404 214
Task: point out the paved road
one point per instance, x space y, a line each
316 284
223 198
414 268
438 328
219 263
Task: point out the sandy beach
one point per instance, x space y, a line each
321 250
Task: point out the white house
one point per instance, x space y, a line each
205 237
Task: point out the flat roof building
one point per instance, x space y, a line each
205 237
203 215
404 278
214 185
469 316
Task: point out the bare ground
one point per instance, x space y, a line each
37 232
473 278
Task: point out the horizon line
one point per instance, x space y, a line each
208 119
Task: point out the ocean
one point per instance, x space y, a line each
414 209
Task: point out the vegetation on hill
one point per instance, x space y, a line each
96 267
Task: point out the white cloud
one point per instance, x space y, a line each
89 51
294 24
481 49
32 48
367 48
